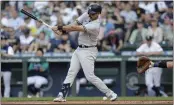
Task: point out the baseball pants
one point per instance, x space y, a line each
85 58
153 78
37 81
7 78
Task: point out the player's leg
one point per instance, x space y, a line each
162 64
157 80
73 69
87 60
39 82
7 79
72 72
30 82
149 82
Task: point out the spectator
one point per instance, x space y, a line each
4 19
6 51
138 35
66 11
65 44
120 4
153 75
18 4
40 27
155 31
156 16
130 18
114 43
15 21
41 42
37 75
55 42
25 40
128 14
139 11
148 6
161 6
53 17
147 20
168 31
7 9
40 5
118 21
30 22
168 13
13 41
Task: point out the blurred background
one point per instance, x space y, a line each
124 27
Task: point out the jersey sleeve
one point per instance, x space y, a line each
83 17
92 27
10 51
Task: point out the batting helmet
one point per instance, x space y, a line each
94 8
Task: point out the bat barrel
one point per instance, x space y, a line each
29 14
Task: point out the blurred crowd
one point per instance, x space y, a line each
123 24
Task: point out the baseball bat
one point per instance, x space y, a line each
34 17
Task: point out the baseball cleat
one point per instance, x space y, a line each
60 98
113 97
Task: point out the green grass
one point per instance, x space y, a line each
88 98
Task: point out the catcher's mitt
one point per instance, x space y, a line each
143 64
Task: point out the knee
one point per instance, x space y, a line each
91 78
7 87
71 72
38 85
149 85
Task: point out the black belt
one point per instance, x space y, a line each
84 46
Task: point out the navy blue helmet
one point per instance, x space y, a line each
94 8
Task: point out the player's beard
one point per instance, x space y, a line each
93 17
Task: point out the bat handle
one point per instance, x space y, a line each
44 23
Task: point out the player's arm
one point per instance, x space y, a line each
163 64
150 53
75 26
69 28
170 64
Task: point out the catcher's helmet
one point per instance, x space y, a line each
94 8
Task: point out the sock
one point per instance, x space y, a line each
37 90
157 90
65 89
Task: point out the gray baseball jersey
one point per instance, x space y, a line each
89 37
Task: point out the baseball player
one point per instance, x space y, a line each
6 51
85 55
153 75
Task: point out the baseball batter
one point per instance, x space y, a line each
85 55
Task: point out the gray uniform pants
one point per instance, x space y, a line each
84 58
